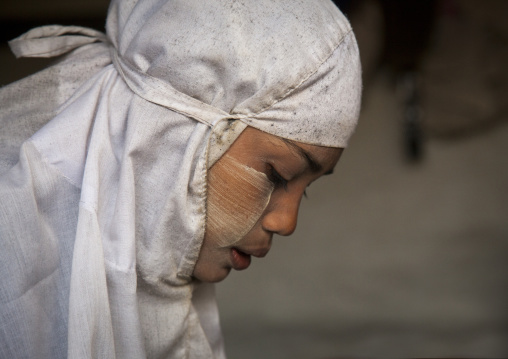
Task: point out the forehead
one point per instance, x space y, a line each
255 143
319 158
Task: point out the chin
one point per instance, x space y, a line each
212 276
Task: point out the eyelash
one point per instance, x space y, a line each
277 179
280 181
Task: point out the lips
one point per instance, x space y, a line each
239 259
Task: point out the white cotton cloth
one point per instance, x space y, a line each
103 161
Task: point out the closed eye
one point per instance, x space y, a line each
277 180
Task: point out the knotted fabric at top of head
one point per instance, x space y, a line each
289 68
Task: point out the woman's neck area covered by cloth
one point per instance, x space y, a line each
112 171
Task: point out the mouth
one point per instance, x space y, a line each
239 259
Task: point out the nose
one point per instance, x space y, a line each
282 216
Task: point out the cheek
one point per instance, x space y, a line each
237 197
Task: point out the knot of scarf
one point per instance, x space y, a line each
56 40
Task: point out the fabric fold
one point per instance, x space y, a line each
54 40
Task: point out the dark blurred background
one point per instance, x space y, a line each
404 251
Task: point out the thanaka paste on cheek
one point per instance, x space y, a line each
237 197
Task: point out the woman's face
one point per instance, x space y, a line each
287 167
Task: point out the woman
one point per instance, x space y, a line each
108 232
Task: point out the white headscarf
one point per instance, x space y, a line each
102 210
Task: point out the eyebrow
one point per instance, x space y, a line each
311 161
